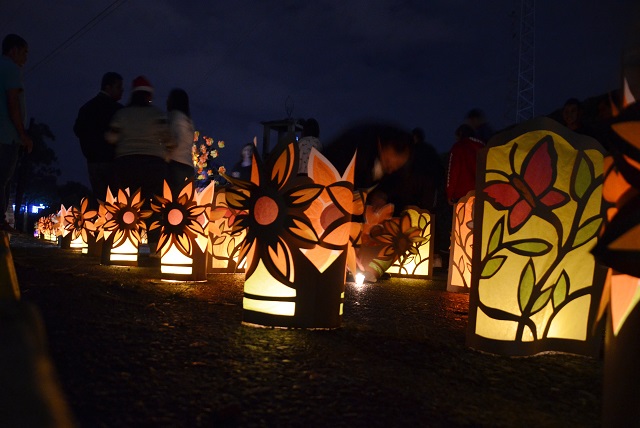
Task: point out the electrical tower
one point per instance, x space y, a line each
525 97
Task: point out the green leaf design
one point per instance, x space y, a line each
527 282
583 175
587 231
495 238
423 222
561 289
492 266
529 247
542 300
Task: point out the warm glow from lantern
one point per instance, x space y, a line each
415 248
127 252
537 215
79 244
262 284
459 278
174 262
359 279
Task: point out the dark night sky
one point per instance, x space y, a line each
416 63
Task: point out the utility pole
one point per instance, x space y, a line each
525 98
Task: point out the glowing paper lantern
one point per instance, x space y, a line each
297 240
225 242
412 244
123 222
183 239
375 256
460 252
79 225
47 228
537 214
619 248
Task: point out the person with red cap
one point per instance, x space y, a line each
142 139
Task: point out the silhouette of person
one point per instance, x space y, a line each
461 175
181 126
142 139
13 135
90 127
242 168
310 139
481 128
381 150
572 114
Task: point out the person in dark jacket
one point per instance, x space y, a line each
90 127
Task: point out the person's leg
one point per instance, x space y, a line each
8 160
101 177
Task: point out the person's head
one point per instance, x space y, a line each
178 100
418 136
141 92
571 112
16 48
464 131
111 85
246 152
311 128
394 149
475 117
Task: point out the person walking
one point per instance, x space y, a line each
181 166
13 134
90 127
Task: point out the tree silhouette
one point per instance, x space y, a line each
36 174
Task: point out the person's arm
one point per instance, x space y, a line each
13 104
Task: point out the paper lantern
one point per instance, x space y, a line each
225 242
460 252
375 256
297 240
619 248
183 238
535 285
47 228
79 225
410 238
121 224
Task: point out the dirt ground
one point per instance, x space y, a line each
133 351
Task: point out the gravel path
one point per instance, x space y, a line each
133 351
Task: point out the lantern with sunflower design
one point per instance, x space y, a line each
535 285
79 225
375 256
619 248
225 242
122 223
297 239
410 239
183 240
459 279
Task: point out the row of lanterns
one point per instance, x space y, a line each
292 236
521 244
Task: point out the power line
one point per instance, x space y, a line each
75 36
